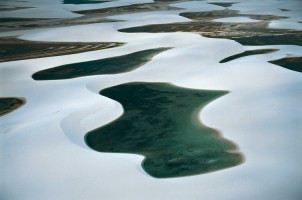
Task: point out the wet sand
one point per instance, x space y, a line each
16 49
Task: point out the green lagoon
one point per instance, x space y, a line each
291 63
84 1
112 65
9 104
247 53
160 122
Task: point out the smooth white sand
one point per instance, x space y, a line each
43 155
236 20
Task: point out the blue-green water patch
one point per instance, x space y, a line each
291 63
111 65
160 122
247 53
9 104
84 1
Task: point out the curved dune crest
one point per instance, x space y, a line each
160 123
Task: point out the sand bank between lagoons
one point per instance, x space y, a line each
45 159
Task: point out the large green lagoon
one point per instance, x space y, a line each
160 122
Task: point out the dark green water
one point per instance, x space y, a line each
248 53
226 5
285 39
8 105
160 122
291 63
111 65
84 1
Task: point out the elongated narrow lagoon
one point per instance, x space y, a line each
160 122
247 53
111 65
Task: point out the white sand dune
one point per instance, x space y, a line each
43 154
236 20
